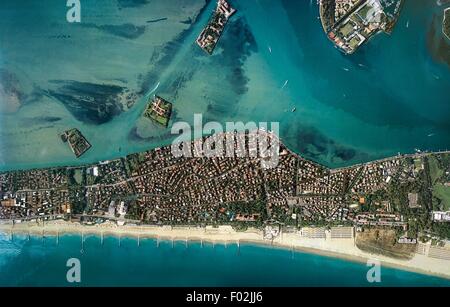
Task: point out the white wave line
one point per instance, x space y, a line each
153 90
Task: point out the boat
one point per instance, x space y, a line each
294 109
285 83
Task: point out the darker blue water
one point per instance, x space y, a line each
43 263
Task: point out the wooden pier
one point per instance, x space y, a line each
82 243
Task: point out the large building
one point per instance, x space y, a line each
357 21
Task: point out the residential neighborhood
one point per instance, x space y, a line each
155 187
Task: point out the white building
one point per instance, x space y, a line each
440 216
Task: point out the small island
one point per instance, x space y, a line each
77 141
351 23
159 110
446 23
208 38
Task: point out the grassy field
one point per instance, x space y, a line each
159 119
440 191
435 171
78 176
443 193
383 242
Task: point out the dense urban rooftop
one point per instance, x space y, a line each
408 193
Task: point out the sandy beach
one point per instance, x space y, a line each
340 248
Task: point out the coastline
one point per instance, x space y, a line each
443 23
336 248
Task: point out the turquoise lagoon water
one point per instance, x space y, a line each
40 262
390 97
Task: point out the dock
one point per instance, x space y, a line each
82 243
